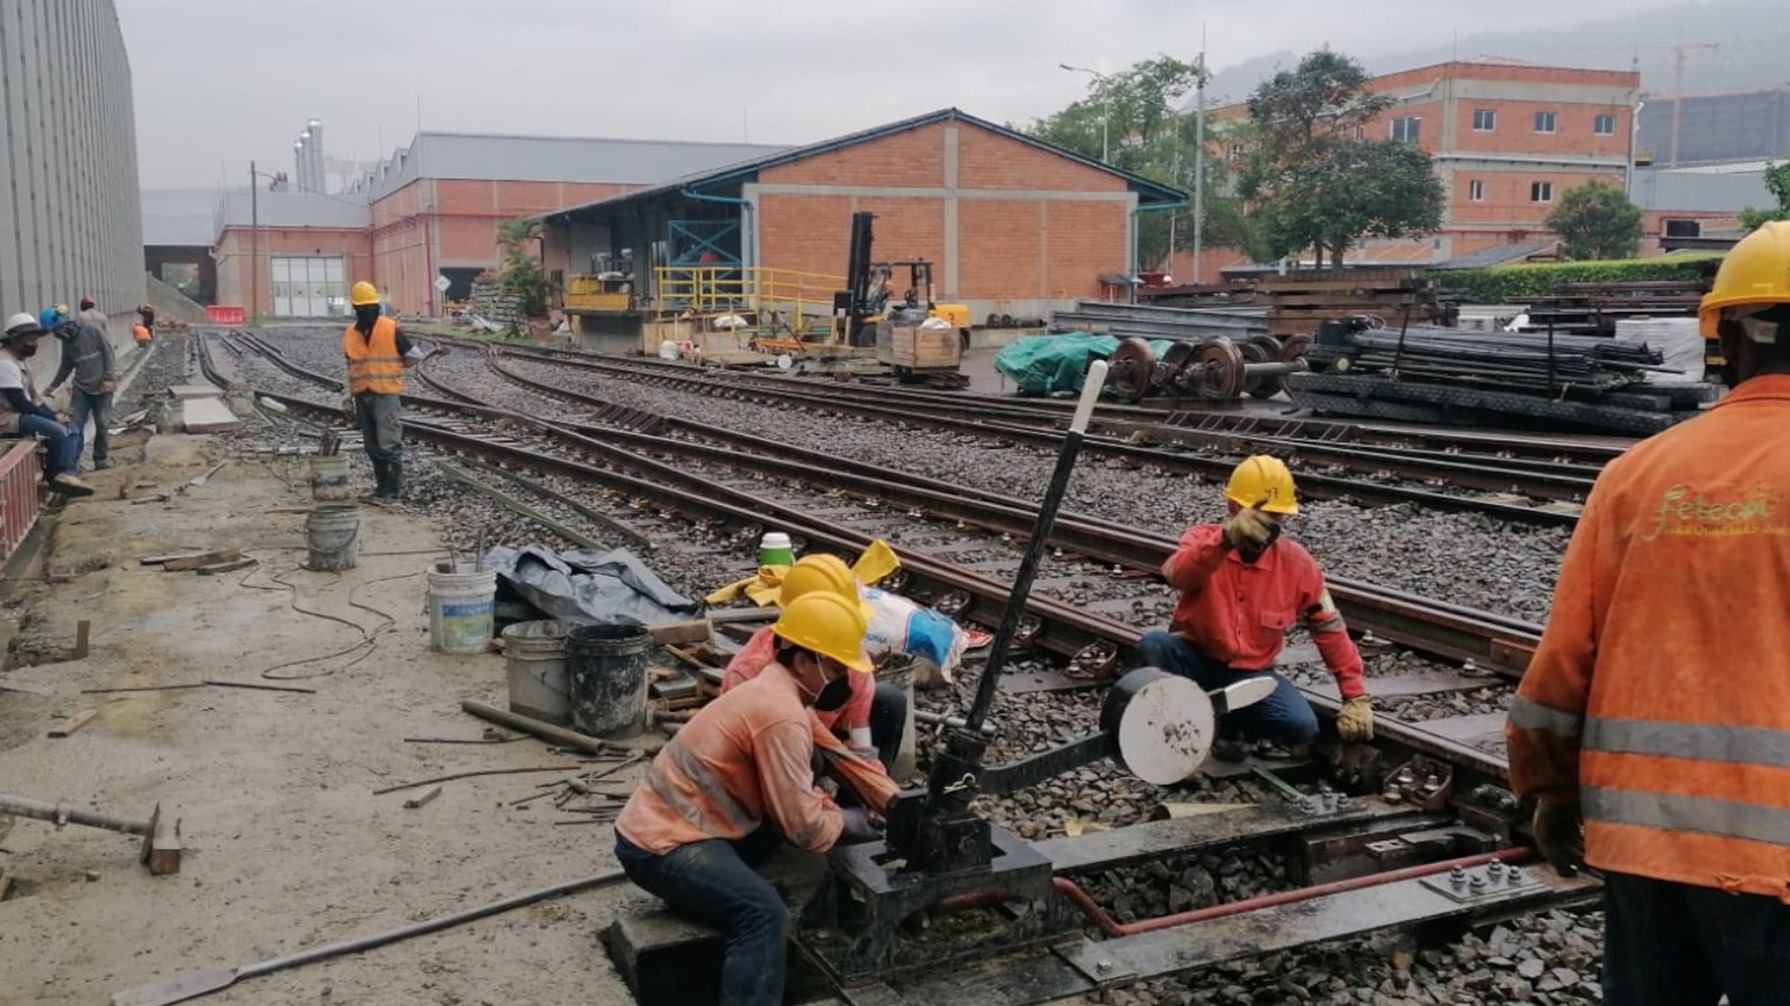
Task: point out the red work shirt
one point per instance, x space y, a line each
759 653
1239 612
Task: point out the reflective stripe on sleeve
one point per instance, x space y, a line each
732 818
1528 714
1674 812
1696 741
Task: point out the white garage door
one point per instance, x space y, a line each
310 286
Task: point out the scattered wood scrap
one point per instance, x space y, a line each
213 569
73 723
422 799
191 560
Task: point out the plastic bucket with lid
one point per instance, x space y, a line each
606 666
332 536
329 477
535 654
775 549
462 600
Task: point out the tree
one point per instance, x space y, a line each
1777 182
1147 135
1596 221
521 273
1310 178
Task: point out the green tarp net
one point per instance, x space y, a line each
1056 364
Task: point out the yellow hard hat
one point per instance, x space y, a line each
821 571
1755 271
827 624
1262 480
364 294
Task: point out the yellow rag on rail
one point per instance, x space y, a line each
877 561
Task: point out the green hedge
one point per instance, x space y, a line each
1506 283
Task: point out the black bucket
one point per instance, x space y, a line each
606 667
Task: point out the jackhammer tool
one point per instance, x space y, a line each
161 835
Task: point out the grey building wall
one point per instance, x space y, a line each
70 222
1717 127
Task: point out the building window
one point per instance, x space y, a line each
1541 192
1405 129
1485 120
308 286
1476 190
1544 122
1604 125
1684 228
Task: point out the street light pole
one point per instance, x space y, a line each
1105 111
1199 164
254 245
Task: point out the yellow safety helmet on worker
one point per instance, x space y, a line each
1754 279
363 294
826 624
822 572
1264 483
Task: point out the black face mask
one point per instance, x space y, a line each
364 317
834 696
25 351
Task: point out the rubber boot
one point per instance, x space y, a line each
394 486
379 482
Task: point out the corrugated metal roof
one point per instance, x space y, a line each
179 216
1502 254
1149 193
292 209
551 159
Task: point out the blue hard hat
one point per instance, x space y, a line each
50 318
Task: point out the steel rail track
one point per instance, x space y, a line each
1061 627
1312 484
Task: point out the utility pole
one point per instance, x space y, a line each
1199 163
254 246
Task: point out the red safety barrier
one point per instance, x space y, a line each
224 314
21 494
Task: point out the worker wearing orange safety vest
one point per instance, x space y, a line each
1653 724
737 781
378 354
1242 587
872 717
144 330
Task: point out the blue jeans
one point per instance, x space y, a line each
1668 944
1284 717
64 445
81 405
713 883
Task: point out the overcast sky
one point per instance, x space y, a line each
219 82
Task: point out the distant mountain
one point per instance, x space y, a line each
1751 38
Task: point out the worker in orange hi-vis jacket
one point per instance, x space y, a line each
736 783
1653 726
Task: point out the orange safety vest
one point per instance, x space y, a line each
1659 697
744 758
374 366
142 334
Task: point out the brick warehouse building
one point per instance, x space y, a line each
1012 225
1507 139
432 209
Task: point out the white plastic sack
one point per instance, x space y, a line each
1679 340
898 625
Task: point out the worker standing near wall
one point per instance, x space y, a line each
870 718
87 357
1653 725
378 355
1242 587
90 314
735 783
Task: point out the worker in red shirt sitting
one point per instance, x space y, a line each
870 718
1242 586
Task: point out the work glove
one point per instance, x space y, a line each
858 827
1559 829
1248 529
1355 722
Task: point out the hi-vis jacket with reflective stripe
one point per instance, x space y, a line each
375 367
745 758
1659 697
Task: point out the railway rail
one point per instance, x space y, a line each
1440 790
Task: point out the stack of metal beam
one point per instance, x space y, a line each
1147 321
1430 374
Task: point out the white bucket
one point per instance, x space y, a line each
329 477
332 537
535 653
462 597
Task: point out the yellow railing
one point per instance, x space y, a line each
800 301
586 292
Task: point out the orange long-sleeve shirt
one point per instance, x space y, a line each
1659 696
744 759
1238 612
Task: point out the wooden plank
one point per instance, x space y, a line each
213 569
73 723
197 559
695 630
